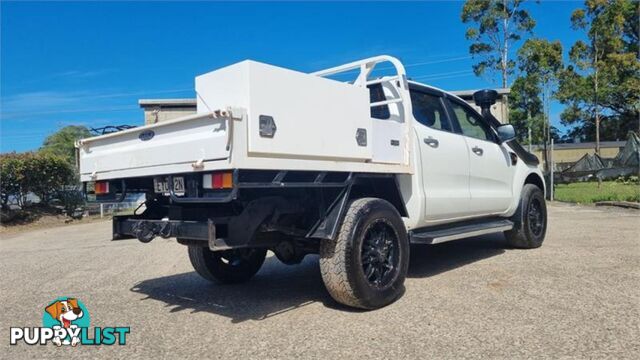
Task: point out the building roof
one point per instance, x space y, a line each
583 145
468 94
167 102
144 103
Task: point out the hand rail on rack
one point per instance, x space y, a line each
366 66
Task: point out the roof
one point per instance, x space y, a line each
629 156
191 103
167 102
468 94
587 163
144 103
583 145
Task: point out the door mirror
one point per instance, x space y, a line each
506 132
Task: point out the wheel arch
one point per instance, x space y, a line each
381 186
536 180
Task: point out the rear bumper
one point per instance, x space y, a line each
199 232
235 225
122 187
242 179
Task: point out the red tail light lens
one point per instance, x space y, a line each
220 180
101 187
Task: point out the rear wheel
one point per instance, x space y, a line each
229 266
530 220
366 265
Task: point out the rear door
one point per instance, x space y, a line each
444 160
490 168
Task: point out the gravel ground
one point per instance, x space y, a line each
576 297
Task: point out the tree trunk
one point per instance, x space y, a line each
595 83
597 111
597 132
505 46
504 76
503 65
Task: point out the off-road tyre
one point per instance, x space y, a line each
229 266
530 220
343 260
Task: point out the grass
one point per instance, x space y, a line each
588 192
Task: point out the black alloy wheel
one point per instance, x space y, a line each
380 254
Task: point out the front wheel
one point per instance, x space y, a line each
530 220
365 266
229 266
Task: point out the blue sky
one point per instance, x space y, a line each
89 63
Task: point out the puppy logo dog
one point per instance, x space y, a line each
66 312
66 321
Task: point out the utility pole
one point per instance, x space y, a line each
546 133
529 127
551 174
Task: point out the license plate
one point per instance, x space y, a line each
161 185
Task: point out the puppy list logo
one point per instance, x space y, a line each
66 322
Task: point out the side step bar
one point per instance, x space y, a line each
454 232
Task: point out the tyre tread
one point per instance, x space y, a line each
341 279
196 256
208 266
334 255
517 237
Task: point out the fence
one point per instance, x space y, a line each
111 209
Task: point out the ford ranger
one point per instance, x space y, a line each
301 163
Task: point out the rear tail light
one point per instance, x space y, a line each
221 180
101 187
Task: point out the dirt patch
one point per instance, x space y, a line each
43 221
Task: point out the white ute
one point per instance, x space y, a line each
302 163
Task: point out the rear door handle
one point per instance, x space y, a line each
477 150
431 142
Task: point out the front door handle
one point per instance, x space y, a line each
477 150
431 142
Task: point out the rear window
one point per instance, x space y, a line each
428 111
376 93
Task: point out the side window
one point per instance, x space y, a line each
470 123
376 94
428 111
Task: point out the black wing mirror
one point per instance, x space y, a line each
506 132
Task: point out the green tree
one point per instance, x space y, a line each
62 142
39 173
45 174
602 86
497 24
11 179
540 64
525 110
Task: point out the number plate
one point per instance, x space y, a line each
161 185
